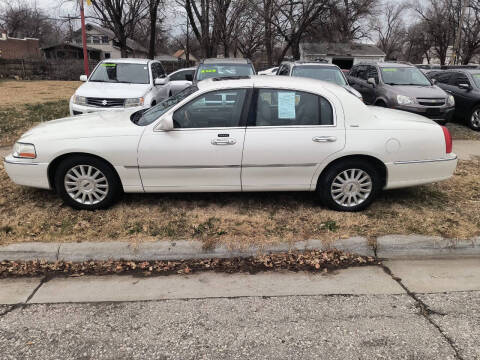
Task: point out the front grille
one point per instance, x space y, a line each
105 102
431 101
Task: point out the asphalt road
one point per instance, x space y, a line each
423 309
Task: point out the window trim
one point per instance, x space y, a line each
252 115
243 116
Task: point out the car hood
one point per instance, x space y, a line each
418 91
99 124
112 90
392 115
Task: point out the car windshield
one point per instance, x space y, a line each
326 73
476 79
158 110
121 73
207 71
404 76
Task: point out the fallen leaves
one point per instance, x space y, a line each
314 260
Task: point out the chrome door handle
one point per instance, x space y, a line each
223 142
324 139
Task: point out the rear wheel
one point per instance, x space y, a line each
350 186
473 121
87 183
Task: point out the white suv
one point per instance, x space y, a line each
121 83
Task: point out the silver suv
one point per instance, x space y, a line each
403 87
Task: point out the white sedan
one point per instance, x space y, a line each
252 133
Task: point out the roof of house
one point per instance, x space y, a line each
132 44
341 49
66 43
181 52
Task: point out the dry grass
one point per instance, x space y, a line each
15 93
447 209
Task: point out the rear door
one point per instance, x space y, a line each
464 98
288 135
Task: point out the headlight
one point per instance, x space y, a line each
79 100
405 100
451 101
24 151
134 102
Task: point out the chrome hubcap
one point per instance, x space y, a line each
86 184
351 187
475 120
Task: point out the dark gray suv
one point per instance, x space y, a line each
403 87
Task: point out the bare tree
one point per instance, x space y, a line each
250 33
417 43
470 44
390 29
121 17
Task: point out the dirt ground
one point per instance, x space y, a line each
14 93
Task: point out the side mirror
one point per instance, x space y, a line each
434 81
464 86
161 81
166 123
83 78
372 81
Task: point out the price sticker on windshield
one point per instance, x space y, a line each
209 71
389 69
109 65
286 105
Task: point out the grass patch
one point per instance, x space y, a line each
15 120
448 209
460 131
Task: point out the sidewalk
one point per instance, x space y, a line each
424 309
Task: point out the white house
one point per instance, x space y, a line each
345 55
105 41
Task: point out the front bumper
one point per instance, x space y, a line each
419 172
437 113
81 109
26 172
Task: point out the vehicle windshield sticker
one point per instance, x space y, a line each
108 65
209 71
286 105
389 69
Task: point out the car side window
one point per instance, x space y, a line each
221 108
291 108
284 70
353 71
181 75
372 73
362 72
460 79
443 77
155 71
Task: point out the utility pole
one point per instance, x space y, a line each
84 39
457 45
187 50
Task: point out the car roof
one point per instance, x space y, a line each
312 63
182 69
226 61
259 81
386 64
129 60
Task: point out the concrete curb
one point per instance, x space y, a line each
386 247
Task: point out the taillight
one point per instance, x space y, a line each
448 140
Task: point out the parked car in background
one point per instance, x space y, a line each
271 71
247 133
402 87
317 70
218 68
464 85
119 84
180 79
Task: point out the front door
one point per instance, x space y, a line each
289 136
203 152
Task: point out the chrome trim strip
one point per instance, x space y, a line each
221 166
422 161
18 162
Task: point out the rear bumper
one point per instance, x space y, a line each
433 113
27 173
418 172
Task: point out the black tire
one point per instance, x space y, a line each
170 94
153 103
473 123
381 104
326 189
103 195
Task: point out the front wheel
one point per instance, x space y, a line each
349 186
87 183
473 120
